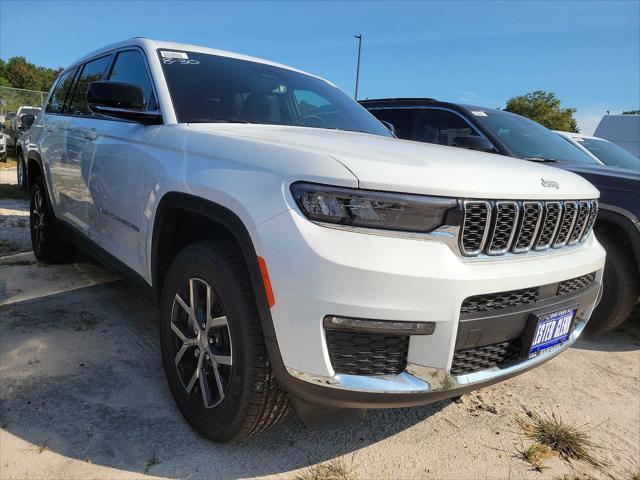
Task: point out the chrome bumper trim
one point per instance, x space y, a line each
421 379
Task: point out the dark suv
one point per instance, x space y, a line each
490 130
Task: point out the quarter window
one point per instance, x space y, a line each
56 101
130 68
92 71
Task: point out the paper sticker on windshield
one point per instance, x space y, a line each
181 55
478 113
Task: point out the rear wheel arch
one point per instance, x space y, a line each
182 219
34 168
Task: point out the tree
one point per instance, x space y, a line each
544 108
19 73
631 112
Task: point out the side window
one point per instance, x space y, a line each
441 127
56 101
402 119
130 68
91 72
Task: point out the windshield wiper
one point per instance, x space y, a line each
541 159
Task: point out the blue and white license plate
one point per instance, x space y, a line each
552 330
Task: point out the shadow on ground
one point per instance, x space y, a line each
82 371
625 338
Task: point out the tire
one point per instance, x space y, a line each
21 173
251 399
620 289
47 241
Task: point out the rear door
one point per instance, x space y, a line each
79 130
122 178
51 137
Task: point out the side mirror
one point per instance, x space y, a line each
120 100
473 142
389 126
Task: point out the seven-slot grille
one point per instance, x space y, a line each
497 227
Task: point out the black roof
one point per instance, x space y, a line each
417 102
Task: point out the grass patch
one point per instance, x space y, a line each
41 447
152 461
8 190
334 470
535 455
571 442
10 164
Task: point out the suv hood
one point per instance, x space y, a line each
389 164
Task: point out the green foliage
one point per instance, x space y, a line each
544 108
631 112
19 73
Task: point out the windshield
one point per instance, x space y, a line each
210 88
610 153
528 139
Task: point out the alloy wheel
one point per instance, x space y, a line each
20 172
203 353
38 219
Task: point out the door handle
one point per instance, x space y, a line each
50 128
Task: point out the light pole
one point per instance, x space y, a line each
359 37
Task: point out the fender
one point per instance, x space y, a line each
626 221
228 219
33 156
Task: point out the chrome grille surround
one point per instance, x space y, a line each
475 227
581 222
495 228
593 213
529 226
550 224
570 212
503 227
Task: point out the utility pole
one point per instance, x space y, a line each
359 37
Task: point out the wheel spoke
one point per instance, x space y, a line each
205 391
222 359
184 306
217 322
195 375
216 374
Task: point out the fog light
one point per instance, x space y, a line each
332 322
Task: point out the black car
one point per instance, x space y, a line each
500 132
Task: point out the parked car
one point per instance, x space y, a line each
3 147
23 144
604 151
623 130
497 131
300 252
17 125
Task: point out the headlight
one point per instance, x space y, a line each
372 209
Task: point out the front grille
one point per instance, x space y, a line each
575 284
367 353
498 301
471 360
497 227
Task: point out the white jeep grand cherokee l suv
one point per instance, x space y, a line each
299 251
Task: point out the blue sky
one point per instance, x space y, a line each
587 52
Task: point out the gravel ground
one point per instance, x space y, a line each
83 395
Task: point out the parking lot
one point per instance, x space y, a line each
83 395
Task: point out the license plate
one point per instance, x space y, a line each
551 330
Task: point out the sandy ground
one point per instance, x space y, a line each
83 395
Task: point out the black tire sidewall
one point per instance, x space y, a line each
40 251
620 289
223 421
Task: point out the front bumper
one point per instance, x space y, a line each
317 271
